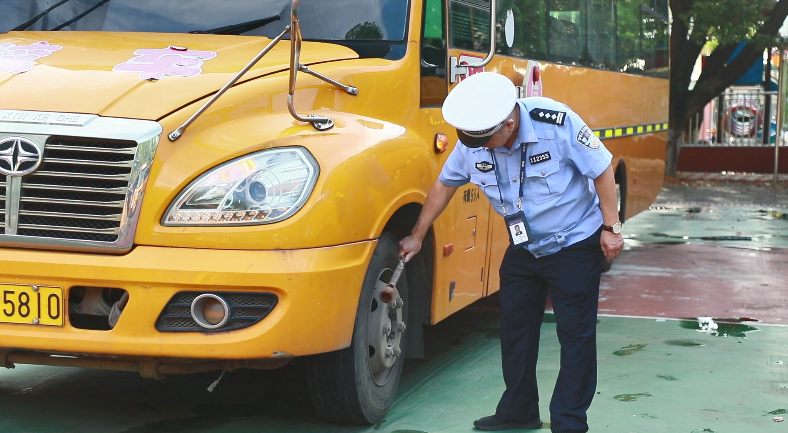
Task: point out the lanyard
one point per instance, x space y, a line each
523 148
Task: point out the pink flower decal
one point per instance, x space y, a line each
18 59
173 61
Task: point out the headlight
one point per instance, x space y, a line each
259 188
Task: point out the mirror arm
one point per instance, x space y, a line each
174 135
318 122
493 23
349 89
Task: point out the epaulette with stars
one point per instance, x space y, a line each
548 116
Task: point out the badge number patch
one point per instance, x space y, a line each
587 138
541 157
484 166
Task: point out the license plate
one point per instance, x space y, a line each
31 305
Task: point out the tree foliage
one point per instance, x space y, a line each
726 23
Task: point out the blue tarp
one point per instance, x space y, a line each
754 75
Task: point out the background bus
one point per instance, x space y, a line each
607 60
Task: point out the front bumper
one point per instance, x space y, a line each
318 292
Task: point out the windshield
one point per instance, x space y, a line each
335 20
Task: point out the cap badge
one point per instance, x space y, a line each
548 116
484 166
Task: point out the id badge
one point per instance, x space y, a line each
519 235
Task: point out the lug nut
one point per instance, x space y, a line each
387 329
401 326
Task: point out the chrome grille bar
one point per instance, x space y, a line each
90 162
82 175
111 231
116 203
122 151
72 215
43 186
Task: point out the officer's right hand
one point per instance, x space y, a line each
409 247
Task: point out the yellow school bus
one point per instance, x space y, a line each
202 185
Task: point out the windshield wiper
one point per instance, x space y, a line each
237 29
80 16
32 21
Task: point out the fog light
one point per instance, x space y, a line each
210 311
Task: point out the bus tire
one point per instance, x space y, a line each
357 385
621 195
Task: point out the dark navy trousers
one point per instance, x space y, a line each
571 276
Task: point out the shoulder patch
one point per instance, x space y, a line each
548 116
485 166
587 138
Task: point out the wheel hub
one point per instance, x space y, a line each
384 331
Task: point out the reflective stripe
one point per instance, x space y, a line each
626 131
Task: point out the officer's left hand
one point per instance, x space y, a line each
612 244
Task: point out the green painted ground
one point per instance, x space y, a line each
745 227
654 376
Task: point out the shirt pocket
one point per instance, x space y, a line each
488 184
546 181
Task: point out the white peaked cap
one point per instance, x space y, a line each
480 102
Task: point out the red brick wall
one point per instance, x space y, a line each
736 159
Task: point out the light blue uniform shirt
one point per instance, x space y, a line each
559 198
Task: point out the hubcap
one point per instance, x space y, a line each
385 328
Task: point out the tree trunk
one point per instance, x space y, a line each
672 157
683 53
675 141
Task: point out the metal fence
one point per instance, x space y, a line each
742 116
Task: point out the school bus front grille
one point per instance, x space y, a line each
79 191
85 190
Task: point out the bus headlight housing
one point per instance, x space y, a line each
259 188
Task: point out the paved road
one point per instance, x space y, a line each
684 259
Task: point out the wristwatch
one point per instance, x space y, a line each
615 228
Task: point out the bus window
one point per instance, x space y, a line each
470 25
602 34
530 33
433 55
630 57
655 40
566 26
643 37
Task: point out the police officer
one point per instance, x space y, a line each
548 175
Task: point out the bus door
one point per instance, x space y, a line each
462 245
469 42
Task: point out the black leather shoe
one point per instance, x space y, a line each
493 423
